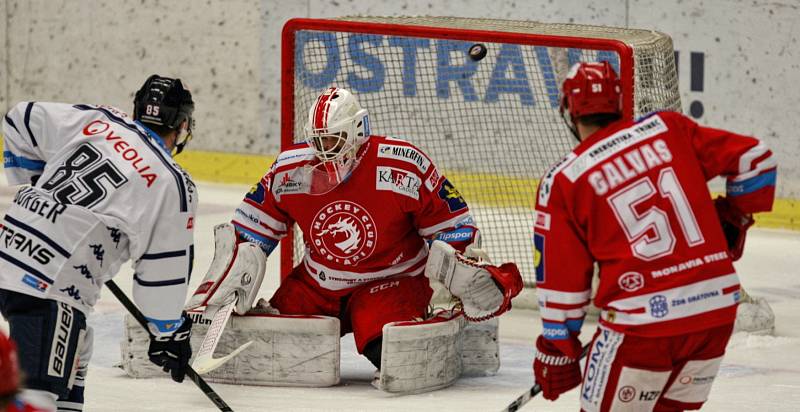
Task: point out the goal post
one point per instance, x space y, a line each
490 122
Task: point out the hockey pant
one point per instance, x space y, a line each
362 310
634 373
54 345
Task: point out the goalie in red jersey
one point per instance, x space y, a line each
368 206
632 197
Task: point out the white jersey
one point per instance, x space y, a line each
107 191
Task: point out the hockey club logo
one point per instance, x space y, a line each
451 195
398 181
659 306
344 232
631 281
626 393
405 154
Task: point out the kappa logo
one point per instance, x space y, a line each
344 232
398 181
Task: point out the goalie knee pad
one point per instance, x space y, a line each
236 272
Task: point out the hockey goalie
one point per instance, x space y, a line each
378 221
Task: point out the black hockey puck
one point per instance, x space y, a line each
477 51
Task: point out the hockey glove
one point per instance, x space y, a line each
555 372
734 226
172 352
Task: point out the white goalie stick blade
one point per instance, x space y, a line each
204 361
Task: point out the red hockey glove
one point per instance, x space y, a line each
734 226
555 372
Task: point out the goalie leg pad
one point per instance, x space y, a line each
237 270
421 356
480 349
286 350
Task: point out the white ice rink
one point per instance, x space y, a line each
759 372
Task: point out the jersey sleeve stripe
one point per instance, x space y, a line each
11 123
743 187
163 255
256 234
11 160
38 234
158 283
554 297
430 230
175 173
264 217
25 267
28 123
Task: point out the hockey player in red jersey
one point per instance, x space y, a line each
368 206
10 379
632 197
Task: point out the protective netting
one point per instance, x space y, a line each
491 125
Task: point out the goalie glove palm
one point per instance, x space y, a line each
484 290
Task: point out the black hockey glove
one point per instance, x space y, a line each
173 352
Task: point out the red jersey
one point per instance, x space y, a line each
633 197
373 225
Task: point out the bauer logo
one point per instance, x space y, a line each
507 73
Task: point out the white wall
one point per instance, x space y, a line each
101 50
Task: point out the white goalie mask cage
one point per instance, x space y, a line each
337 126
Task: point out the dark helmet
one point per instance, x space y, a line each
164 102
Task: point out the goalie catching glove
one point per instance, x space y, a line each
236 272
484 290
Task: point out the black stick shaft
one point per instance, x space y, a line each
197 379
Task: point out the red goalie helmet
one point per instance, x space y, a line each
590 88
9 371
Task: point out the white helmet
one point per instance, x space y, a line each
337 126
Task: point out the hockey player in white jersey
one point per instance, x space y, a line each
104 189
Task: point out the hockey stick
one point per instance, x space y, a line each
204 362
533 391
137 314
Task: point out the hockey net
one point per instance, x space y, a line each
491 125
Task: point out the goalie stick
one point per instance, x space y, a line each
137 314
204 362
534 390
